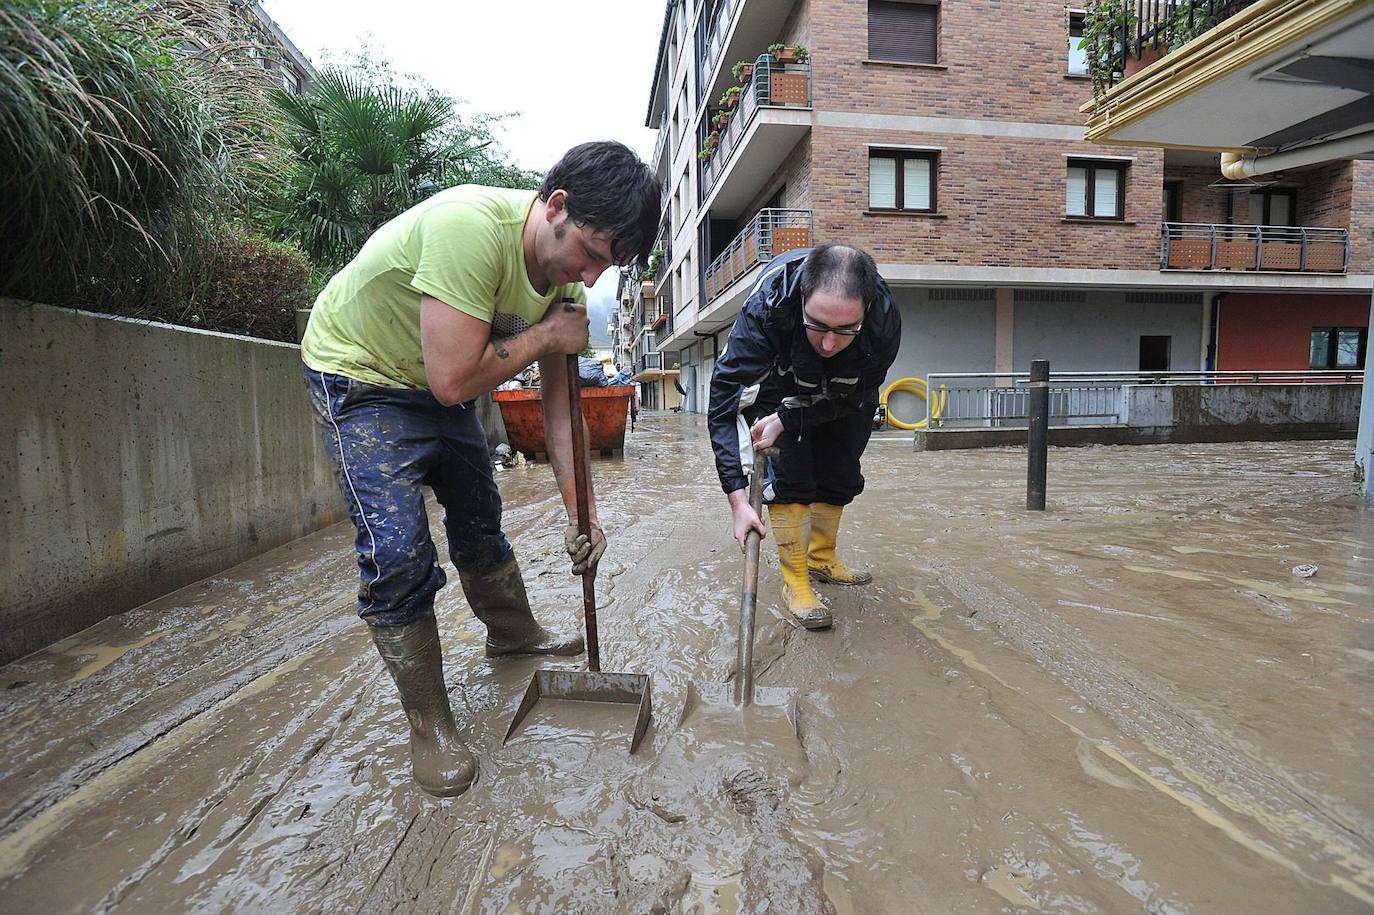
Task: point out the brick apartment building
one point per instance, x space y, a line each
946 139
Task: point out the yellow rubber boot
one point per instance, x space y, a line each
791 525
821 559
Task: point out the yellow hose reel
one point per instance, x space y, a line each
915 386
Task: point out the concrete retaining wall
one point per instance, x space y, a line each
138 458
1158 414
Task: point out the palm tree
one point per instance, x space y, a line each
364 153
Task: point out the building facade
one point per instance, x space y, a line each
946 139
640 320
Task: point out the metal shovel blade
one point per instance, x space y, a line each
589 686
775 707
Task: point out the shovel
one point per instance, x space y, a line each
590 685
747 696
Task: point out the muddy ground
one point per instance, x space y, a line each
1129 703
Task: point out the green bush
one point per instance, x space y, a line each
120 152
254 287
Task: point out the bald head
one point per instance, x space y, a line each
841 271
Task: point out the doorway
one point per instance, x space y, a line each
1154 353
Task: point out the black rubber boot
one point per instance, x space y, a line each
497 597
441 764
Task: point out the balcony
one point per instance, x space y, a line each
738 30
657 162
769 234
772 115
1279 249
1284 81
651 366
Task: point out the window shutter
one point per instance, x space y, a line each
902 31
916 184
1077 203
882 183
1105 182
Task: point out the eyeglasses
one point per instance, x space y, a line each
826 329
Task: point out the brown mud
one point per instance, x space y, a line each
1125 704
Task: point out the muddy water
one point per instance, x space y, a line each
1126 703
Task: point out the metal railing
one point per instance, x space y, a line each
718 31
1001 399
771 85
771 232
1286 249
651 362
1150 27
659 143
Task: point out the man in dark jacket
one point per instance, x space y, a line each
801 374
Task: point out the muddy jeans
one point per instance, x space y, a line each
819 463
385 445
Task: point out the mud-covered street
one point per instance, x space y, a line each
1128 703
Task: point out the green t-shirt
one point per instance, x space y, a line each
463 247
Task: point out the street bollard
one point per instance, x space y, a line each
1037 445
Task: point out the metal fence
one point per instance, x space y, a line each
1287 249
1000 399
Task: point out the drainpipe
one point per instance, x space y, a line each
1236 166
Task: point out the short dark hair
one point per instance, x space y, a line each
841 270
612 191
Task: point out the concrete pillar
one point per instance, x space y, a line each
1005 329
1364 443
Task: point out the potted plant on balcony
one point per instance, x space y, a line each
800 54
743 71
708 145
722 118
780 52
1104 23
731 97
655 263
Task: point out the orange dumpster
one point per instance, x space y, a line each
604 410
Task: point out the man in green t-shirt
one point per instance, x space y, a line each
443 303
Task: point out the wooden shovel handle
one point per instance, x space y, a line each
582 483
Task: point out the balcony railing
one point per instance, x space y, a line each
772 85
661 142
769 234
1143 30
1284 249
651 362
715 39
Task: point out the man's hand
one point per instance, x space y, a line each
584 553
566 328
745 519
766 431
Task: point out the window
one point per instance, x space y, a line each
903 30
1173 204
1078 57
1273 207
1096 189
902 180
1339 347
1154 353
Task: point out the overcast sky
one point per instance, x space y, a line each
572 72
